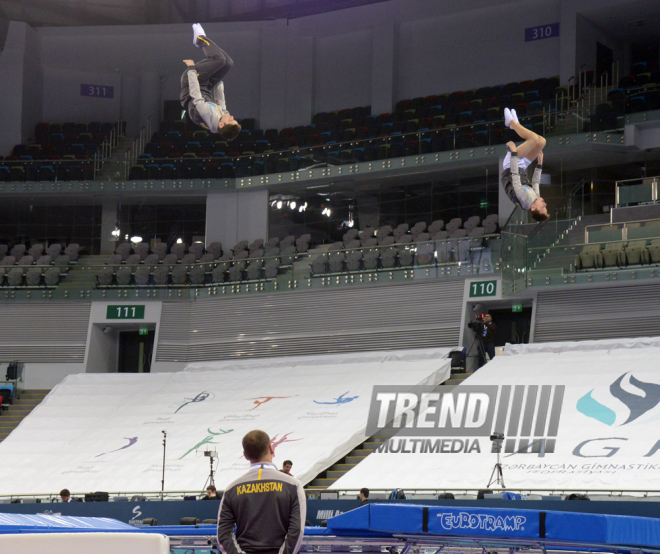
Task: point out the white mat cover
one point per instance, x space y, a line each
103 431
611 408
83 543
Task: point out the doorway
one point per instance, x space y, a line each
512 327
135 351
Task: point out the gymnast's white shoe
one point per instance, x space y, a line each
508 116
198 32
514 116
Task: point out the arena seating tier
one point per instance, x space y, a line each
38 266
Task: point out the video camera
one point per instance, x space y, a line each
478 324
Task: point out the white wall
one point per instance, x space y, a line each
46 376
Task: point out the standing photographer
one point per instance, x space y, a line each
488 336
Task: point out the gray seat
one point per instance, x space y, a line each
654 251
62 260
3 250
123 249
196 249
207 260
8 260
52 276
170 259
637 253
255 244
336 262
36 250
115 261
424 258
241 245
384 231
453 225
590 257
189 258
287 241
33 277
613 255
179 275
160 249
273 241
370 259
124 275
257 253
423 237
354 260
179 250
241 255
44 260
18 251
490 227
406 257
477 232
271 268
235 273
26 260
215 248
271 251
104 277
458 234
134 260
151 259
388 257
197 275
288 254
405 239
161 275
218 274
254 271
441 235
436 226
302 245
142 275
350 235
15 277
384 241
319 265
142 250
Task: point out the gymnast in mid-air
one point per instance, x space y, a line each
518 159
202 89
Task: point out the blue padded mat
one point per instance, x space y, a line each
39 523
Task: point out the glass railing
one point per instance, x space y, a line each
243 159
382 264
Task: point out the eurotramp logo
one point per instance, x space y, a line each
527 415
482 522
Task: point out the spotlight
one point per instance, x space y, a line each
179 241
126 237
116 233
136 239
292 205
279 204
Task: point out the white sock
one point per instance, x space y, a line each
514 115
508 116
197 32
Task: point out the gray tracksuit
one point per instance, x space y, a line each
206 114
268 508
517 185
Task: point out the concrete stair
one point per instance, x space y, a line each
17 411
114 168
82 276
328 477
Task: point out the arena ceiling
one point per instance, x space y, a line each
40 13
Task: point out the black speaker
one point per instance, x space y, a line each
189 521
150 521
97 497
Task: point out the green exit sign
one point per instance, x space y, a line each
483 288
125 312
144 331
516 308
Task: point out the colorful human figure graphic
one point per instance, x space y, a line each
199 398
131 442
207 440
258 401
275 443
339 400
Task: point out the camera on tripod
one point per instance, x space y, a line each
210 454
497 439
478 324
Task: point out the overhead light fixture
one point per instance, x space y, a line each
136 239
179 241
126 237
116 232
279 204
292 205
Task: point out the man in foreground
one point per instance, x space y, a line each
267 506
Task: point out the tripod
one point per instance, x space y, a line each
497 477
481 351
209 480
162 483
